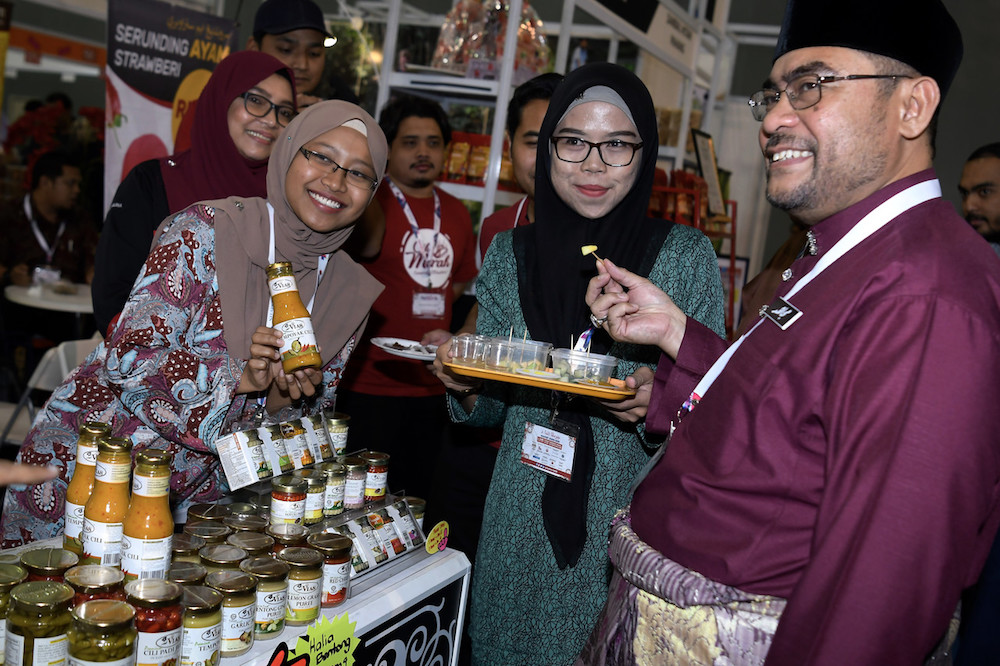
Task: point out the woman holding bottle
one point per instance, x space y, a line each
191 356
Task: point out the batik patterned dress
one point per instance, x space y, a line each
164 379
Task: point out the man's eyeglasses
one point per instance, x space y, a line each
804 92
353 176
615 153
260 106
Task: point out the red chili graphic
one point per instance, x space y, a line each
113 110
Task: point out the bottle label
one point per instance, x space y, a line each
304 599
298 338
314 505
200 647
74 521
86 454
3 637
354 493
112 472
157 648
271 611
237 627
145 558
282 285
339 442
50 651
102 541
73 661
151 486
335 577
333 500
375 484
283 511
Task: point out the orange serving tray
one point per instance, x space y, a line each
590 390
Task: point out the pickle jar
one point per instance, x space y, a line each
417 506
221 557
102 632
336 552
272 594
187 573
38 620
377 474
239 609
354 485
337 425
207 512
202 633
333 498
212 532
245 524
305 584
12 575
288 500
185 547
242 509
286 535
95 581
48 563
253 543
159 620
315 494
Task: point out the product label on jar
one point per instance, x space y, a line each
312 439
375 485
112 472
237 627
304 599
3 637
127 661
297 447
335 577
354 493
150 486
284 511
102 541
157 648
271 611
74 521
273 444
145 558
298 338
259 460
51 651
314 506
333 499
338 440
86 454
200 647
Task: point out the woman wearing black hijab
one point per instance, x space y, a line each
541 571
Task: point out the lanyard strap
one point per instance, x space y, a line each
426 251
320 269
49 251
882 215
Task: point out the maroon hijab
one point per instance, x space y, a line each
213 168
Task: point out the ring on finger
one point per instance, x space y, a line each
597 322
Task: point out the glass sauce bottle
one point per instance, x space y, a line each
299 348
82 484
105 510
148 525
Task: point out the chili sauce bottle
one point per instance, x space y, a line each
82 484
105 510
148 524
299 348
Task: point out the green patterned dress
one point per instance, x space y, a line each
525 610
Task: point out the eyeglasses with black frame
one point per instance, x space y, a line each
354 177
260 106
804 91
614 153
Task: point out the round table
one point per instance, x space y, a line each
44 298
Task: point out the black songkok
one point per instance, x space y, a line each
920 33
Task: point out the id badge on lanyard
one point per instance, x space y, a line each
550 448
428 304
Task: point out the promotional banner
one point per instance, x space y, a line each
159 59
5 10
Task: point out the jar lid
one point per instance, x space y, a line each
90 578
331 545
313 477
187 573
289 484
153 457
186 544
104 613
211 532
337 418
114 445
416 502
229 582
95 428
354 463
42 594
374 457
11 575
199 599
222 553
333 469
265 568
245 523
239 509
300 557
279 268
287 533
49 560
252 542
153 592
209 512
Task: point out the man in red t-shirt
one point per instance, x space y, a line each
417 240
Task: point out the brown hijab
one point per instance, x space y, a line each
242 229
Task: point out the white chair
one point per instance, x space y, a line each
54 366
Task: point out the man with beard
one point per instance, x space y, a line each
417 240
831 481
980 190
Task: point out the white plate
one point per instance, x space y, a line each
424 69
410 349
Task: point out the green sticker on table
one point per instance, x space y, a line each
329 643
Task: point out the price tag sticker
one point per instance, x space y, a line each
437 538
